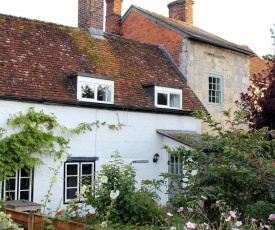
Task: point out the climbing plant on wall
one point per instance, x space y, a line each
35 134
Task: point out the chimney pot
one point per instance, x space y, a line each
181 10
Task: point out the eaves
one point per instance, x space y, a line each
96 105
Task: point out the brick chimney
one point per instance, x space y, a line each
181 10
90 14
113 16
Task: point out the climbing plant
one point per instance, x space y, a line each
35 134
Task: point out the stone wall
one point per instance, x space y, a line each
199 59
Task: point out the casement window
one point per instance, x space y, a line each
175 167
95 90
77 174
168 97
18 186
215 89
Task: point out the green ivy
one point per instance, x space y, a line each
35 135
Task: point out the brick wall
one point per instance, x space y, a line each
151 32
181 10
90 13
113 16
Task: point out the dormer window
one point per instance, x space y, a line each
92 89
168 97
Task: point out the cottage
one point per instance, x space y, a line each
83 75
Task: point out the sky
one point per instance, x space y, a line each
244 22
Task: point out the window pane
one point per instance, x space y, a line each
162 99
214 90
104 93
72 181
10 195
87 169
25 173
175 100
72 170
10 184
24 183
86 180
87 91
71 193
24 195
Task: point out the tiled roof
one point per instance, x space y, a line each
36 56
188 30
259 67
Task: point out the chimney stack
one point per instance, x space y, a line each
113 16
90 14
181 10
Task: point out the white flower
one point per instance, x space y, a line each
203 197
191 225
169 214
238 223
114 194
53 179
104 179
228 219
84 189
63 158
104 224
233 214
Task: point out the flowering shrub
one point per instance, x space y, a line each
235 165
186 218
115 197
6 221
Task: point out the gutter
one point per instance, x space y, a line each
97 105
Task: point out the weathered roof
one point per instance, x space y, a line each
258 66
188 30
36 57
188 138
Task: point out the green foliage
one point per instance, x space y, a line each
128 206
235 165
34 135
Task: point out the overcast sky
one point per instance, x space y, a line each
245 22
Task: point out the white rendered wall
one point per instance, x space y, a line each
137 140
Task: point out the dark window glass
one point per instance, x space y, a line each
25 173
72 181
10 195
71 193
24 183
72 170
87 169
162 99
88 91
24 195
10 184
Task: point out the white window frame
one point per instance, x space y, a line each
17 177
96 83
79 175
168 91
175 166
216 91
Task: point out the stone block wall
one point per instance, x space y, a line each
199 59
